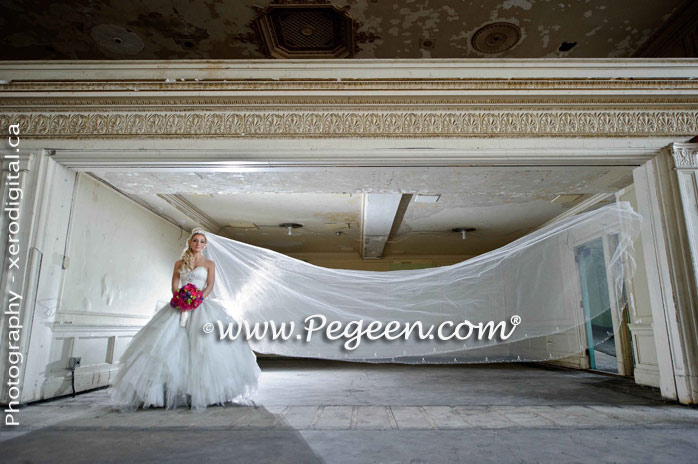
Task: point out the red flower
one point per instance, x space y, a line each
187 298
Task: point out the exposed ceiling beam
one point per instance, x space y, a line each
378 215
191 211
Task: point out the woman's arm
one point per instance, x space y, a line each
175 277
210 279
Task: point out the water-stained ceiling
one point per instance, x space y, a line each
500 203
222 29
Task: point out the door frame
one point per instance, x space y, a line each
238 115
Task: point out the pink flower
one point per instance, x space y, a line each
188 297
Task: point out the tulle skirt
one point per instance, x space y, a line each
169 365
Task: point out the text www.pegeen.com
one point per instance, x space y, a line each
354 331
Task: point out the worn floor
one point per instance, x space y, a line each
332 412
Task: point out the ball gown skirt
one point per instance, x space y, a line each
169 365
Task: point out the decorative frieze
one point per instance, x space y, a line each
348 98
206 85
386 122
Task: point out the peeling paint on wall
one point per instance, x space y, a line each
114 240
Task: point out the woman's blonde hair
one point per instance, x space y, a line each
187 254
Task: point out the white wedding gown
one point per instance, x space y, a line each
169 365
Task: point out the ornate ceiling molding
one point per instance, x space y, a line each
423 85
74 102
379 122
345 103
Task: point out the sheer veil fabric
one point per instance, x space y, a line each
534 278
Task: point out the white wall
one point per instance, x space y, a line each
121 256
119 269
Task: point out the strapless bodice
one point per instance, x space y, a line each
196 276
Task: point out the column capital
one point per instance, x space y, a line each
685 155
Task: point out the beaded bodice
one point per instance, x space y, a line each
196 276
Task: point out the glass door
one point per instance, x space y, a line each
597 306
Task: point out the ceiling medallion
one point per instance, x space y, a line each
496 37
307 29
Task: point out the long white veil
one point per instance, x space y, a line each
535 278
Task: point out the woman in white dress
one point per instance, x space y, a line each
172 362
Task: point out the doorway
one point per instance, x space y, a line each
604 345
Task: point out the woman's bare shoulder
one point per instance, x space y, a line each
210 264
178 264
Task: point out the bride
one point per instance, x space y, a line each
171 362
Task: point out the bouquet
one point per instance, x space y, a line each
188 297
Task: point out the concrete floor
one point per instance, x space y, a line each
318 411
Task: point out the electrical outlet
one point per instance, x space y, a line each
74 362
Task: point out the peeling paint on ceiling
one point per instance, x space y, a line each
219 29
472 181
502 203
